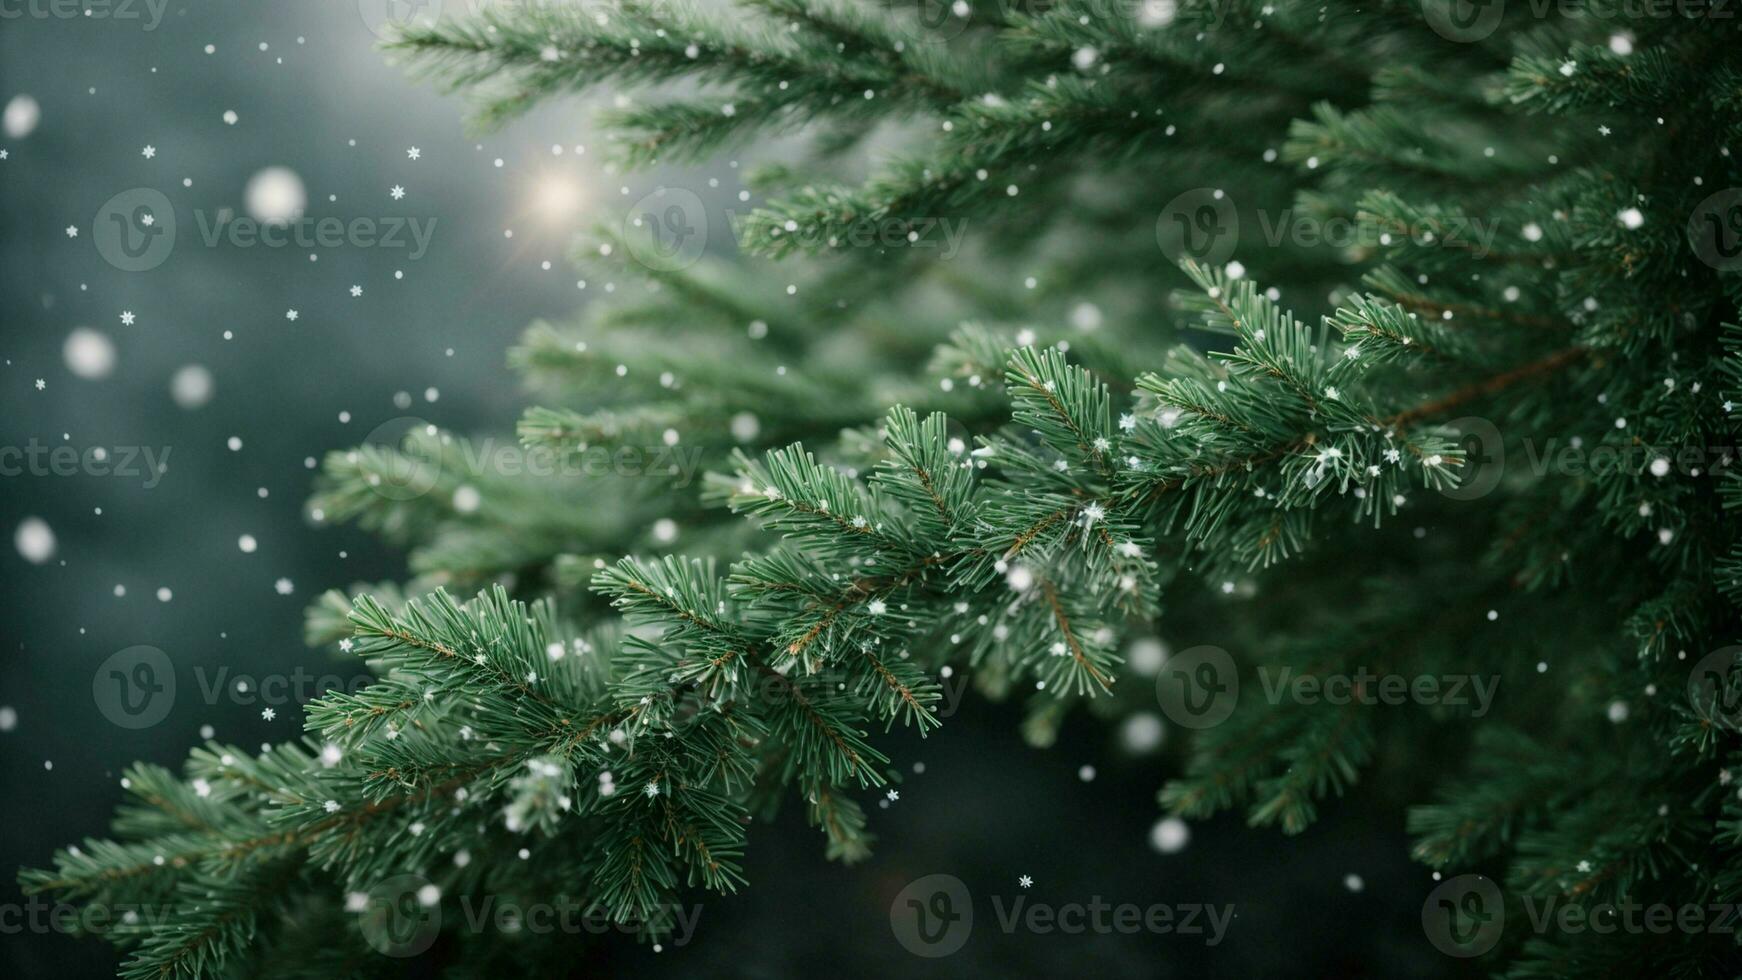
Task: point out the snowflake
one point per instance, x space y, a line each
1025 881
1127 422
877 607
893 795
127 318
290 315
345 645
149 151
652 788
413 153
331 806
72 231
284 586
268 714
356 290
397 192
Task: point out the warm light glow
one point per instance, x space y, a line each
555 198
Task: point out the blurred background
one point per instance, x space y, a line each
196 385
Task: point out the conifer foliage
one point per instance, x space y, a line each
1323 453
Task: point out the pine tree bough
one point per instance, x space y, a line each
1037 489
